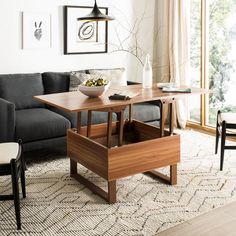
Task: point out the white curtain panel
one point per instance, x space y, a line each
172 53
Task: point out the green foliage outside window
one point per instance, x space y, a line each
222 32
220 64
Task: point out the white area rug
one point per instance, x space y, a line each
58 205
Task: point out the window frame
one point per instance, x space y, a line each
204 83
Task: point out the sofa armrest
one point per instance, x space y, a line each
7 121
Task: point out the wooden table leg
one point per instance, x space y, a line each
173 174
172 179
109 129
94 188
89 123
79 122
121 129
170 103
171 118
112 191
73 164
109 196
73 167
130 112
162 120
171 121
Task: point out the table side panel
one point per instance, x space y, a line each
146 131
88 153
98 130
143 156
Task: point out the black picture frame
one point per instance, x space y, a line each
68 47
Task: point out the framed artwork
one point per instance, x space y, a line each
36 30
84 37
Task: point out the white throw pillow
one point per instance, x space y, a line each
116 76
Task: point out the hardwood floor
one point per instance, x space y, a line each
221 221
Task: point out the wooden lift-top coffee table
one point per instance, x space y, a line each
119 149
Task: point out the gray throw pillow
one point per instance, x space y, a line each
77 78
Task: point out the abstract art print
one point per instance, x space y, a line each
36 30
83 37
87 31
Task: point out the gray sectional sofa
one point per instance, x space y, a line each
38 125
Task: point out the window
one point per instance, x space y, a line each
195 58
222 57
213 58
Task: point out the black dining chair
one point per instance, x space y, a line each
12 163
225 127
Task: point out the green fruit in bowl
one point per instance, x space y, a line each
97 82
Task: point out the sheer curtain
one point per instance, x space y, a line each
171 57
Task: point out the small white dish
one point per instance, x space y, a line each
94 91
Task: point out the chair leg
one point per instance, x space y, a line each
15 190
217 133
223 136
22 177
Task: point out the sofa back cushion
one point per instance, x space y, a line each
20 89
56 82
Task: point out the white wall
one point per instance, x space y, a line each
14 59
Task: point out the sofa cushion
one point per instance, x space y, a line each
144 112
20 89
39 123
97 117
116 76
57 82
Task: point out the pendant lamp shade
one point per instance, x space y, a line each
96 15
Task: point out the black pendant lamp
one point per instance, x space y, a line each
96 15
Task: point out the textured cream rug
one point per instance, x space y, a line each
58 205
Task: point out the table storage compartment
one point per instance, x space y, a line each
143 149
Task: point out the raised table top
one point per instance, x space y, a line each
76 101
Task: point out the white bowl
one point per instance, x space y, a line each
95 91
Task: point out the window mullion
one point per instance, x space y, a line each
204 59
